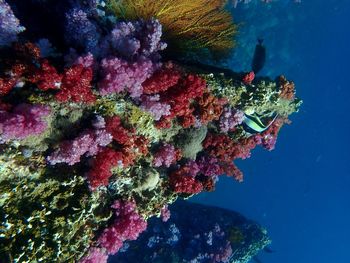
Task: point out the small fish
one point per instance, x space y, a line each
259 56
253 123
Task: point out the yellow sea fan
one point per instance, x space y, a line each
187 25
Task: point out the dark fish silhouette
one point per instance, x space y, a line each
259 56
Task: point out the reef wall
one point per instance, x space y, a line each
99 132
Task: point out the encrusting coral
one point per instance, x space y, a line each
101 135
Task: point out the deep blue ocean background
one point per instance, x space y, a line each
299 191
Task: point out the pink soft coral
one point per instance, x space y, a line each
209 166
230 118
152 105
25 120
95 255
165 213
165 155
127 226
119 75
89 142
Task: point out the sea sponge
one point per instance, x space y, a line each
190 141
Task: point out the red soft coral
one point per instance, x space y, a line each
76 85
130 145
46 77
248 78
287 89
179 97
222 147
102 165
137 146
210 108
120 134
7 83
227 150
27 51
19 66
161 80
230 169
181 181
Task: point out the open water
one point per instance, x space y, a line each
300 191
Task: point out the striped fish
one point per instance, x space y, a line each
253 124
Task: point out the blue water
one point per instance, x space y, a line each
300 191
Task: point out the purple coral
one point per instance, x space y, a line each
9 25
80 31
123 40
152 105
132 40
120 75
209 166
88 142
24 121
127 226
230 118
192 168
165 155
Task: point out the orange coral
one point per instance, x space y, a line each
187 25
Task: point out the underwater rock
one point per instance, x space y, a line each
224 236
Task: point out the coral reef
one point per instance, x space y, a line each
99 133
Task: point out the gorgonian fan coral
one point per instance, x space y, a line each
193 25
98 132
